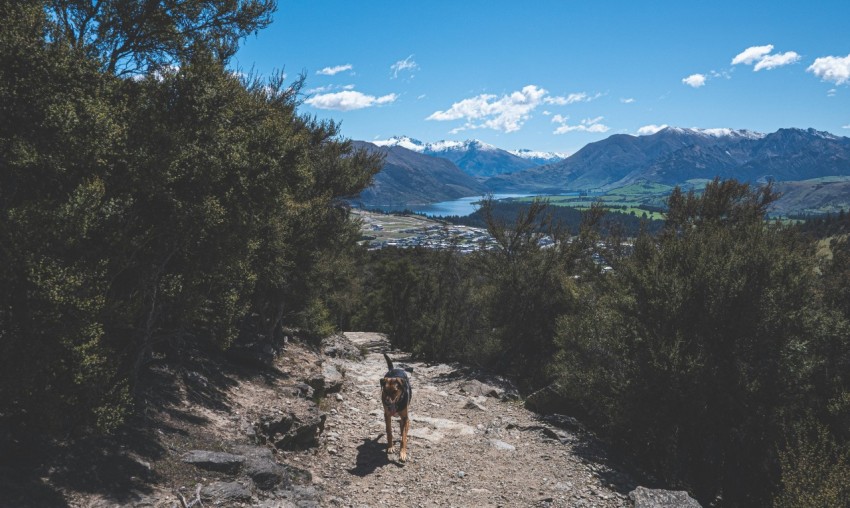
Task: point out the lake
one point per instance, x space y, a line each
460 207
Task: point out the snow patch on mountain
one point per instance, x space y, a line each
402 141
525 153
718 132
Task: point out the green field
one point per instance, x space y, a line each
626 199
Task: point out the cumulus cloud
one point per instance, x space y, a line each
586 125
349 100
777 60
650 129
330 71
752 54
404 65
627 100
832 68
694 80
507 113
760 58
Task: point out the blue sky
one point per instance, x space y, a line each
556 75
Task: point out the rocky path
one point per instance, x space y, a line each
470 445
307 431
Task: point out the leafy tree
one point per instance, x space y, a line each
59 127
528 286
133 36
156 214
700 349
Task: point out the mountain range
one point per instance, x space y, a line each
674 156
475 157
812 167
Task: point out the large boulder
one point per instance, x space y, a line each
339 346
328 381
291 432
261 467
547 400
225 494
659 498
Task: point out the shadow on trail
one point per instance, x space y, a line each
371 455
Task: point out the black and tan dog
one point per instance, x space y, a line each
396 393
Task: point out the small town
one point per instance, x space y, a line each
406 231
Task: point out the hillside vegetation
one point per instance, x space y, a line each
156 207
715 353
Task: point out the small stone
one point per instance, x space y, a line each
471 404
501 445
339 397
461 474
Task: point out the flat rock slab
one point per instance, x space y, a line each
214 461
476 388
444 425
659 498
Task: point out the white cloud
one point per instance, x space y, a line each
831 92
349 100
558 101
571 98
628 100
404 65
846 126
752 54
328 88
777 60
694 80
761 57
650 129
507 113
586 125
330 71
832 68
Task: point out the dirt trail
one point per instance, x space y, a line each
466 449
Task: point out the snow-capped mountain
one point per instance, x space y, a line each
717 133
475 157
402 141
674 155
412 177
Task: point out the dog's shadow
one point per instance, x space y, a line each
371 455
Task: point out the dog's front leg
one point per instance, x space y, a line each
404 426
389 421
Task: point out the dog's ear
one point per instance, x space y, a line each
383 382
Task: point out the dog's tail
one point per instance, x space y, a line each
389 362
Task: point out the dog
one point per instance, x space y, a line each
396 394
